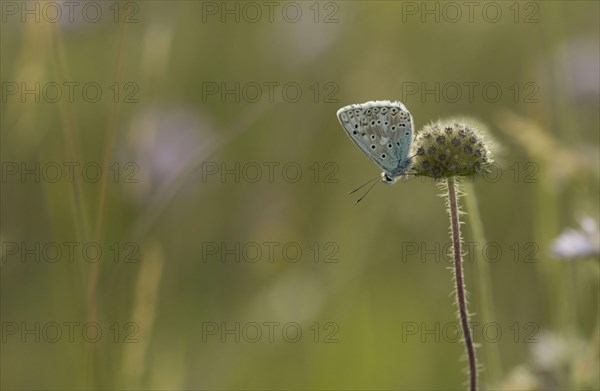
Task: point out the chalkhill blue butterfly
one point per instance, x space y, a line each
383 130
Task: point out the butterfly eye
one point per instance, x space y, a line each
373 146
383 156
372 137
389 145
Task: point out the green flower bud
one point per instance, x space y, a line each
445 150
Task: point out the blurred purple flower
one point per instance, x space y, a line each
573 68
163 142
580 63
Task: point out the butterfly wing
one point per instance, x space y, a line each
383 130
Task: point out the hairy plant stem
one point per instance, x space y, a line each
459 281
492 354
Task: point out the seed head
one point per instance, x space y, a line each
450 149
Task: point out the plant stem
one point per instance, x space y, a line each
493 361
460 286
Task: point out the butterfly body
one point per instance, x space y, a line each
383 130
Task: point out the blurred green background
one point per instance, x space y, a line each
197 259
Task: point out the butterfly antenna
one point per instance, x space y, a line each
364 184
364 195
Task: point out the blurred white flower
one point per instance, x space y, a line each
578 243
550 351
552 357
521 379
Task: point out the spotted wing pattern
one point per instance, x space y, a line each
383 130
